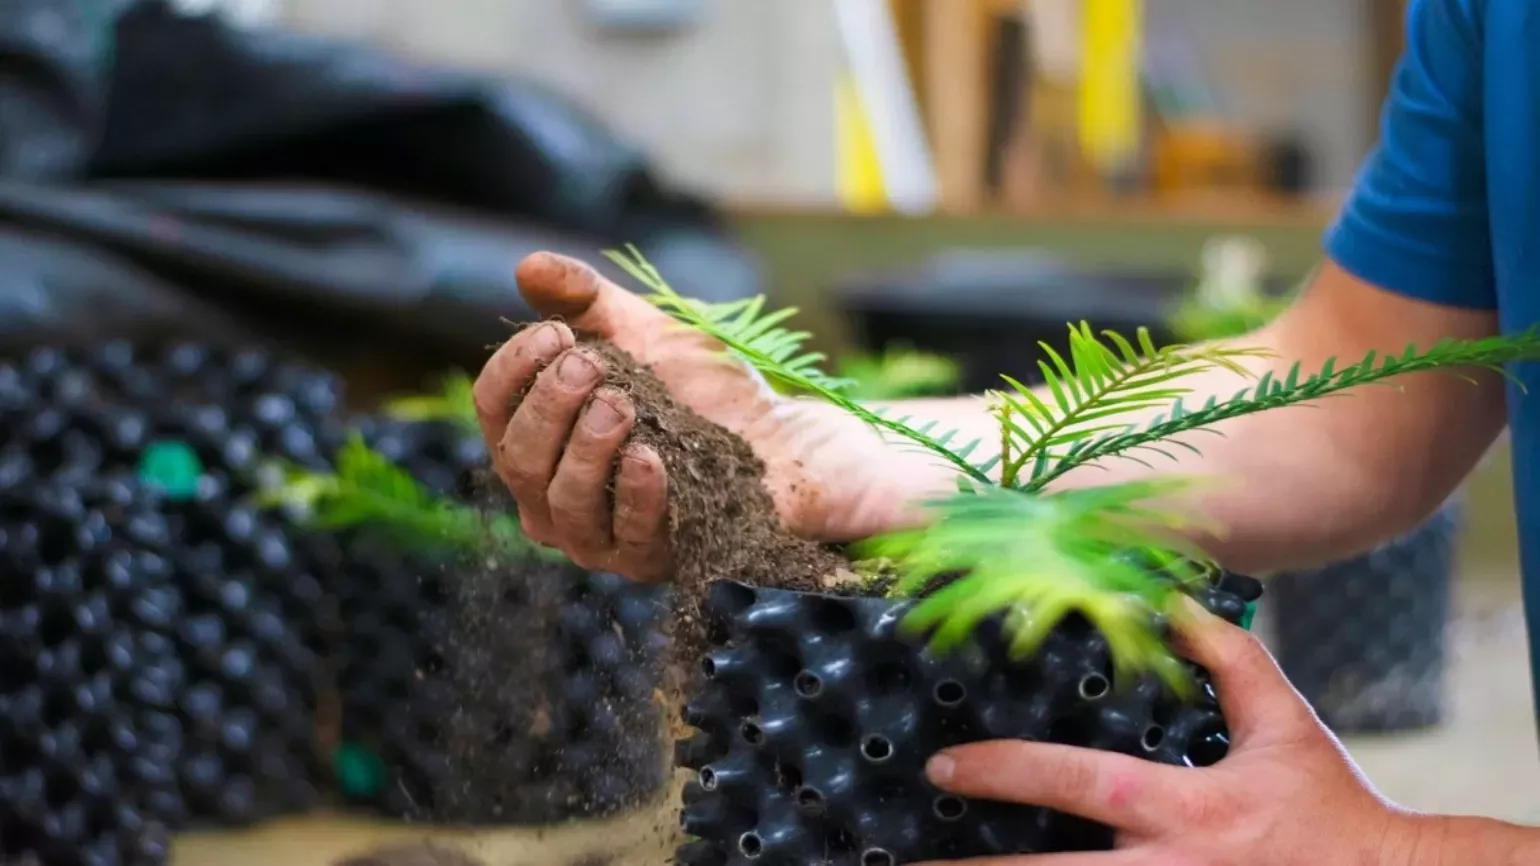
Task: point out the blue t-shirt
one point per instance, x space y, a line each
1447 207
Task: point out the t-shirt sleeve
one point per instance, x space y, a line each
1416 220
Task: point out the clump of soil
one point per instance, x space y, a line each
722 520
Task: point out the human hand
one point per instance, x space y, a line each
558 453
1286 795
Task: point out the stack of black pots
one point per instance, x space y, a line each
815 719
168 646
160 635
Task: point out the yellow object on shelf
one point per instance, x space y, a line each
858 167
1110 115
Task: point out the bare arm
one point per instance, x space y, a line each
1445 841
1302 485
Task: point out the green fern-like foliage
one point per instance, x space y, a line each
1109 553
453 402
897 373
1037 555
368 490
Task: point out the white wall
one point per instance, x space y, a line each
741 104
1297 64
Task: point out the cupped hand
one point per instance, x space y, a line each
559 452
1286 795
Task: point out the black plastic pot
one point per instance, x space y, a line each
1364 639
990 309
814 720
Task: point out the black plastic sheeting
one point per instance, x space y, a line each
161 171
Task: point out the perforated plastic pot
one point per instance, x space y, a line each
814 719
1364 639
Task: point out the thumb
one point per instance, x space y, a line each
563 287
1258 700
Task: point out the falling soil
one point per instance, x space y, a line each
722 521
499 670
500 655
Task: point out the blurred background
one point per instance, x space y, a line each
349 183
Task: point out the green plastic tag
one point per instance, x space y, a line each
360 773
1249 615
173 466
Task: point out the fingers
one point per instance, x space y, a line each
641 511
509 369
531 446
1258 700
559 451
1114 789
578 496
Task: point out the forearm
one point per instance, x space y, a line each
1298 486
1451 841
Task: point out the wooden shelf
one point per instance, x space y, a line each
1227 208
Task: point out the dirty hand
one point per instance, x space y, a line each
1286 795
559 452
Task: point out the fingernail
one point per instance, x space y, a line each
635 462
576 370
601 417
545 340
939 769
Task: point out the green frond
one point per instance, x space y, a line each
1103 380
368 490
899 372
1037 559
454 402
757 338
1272 392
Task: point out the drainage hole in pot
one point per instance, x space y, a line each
949 808
1094 687
949 693
878 857
832 616
809 800
877 748
752 733
708 778
751 845
1154 735
808 684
